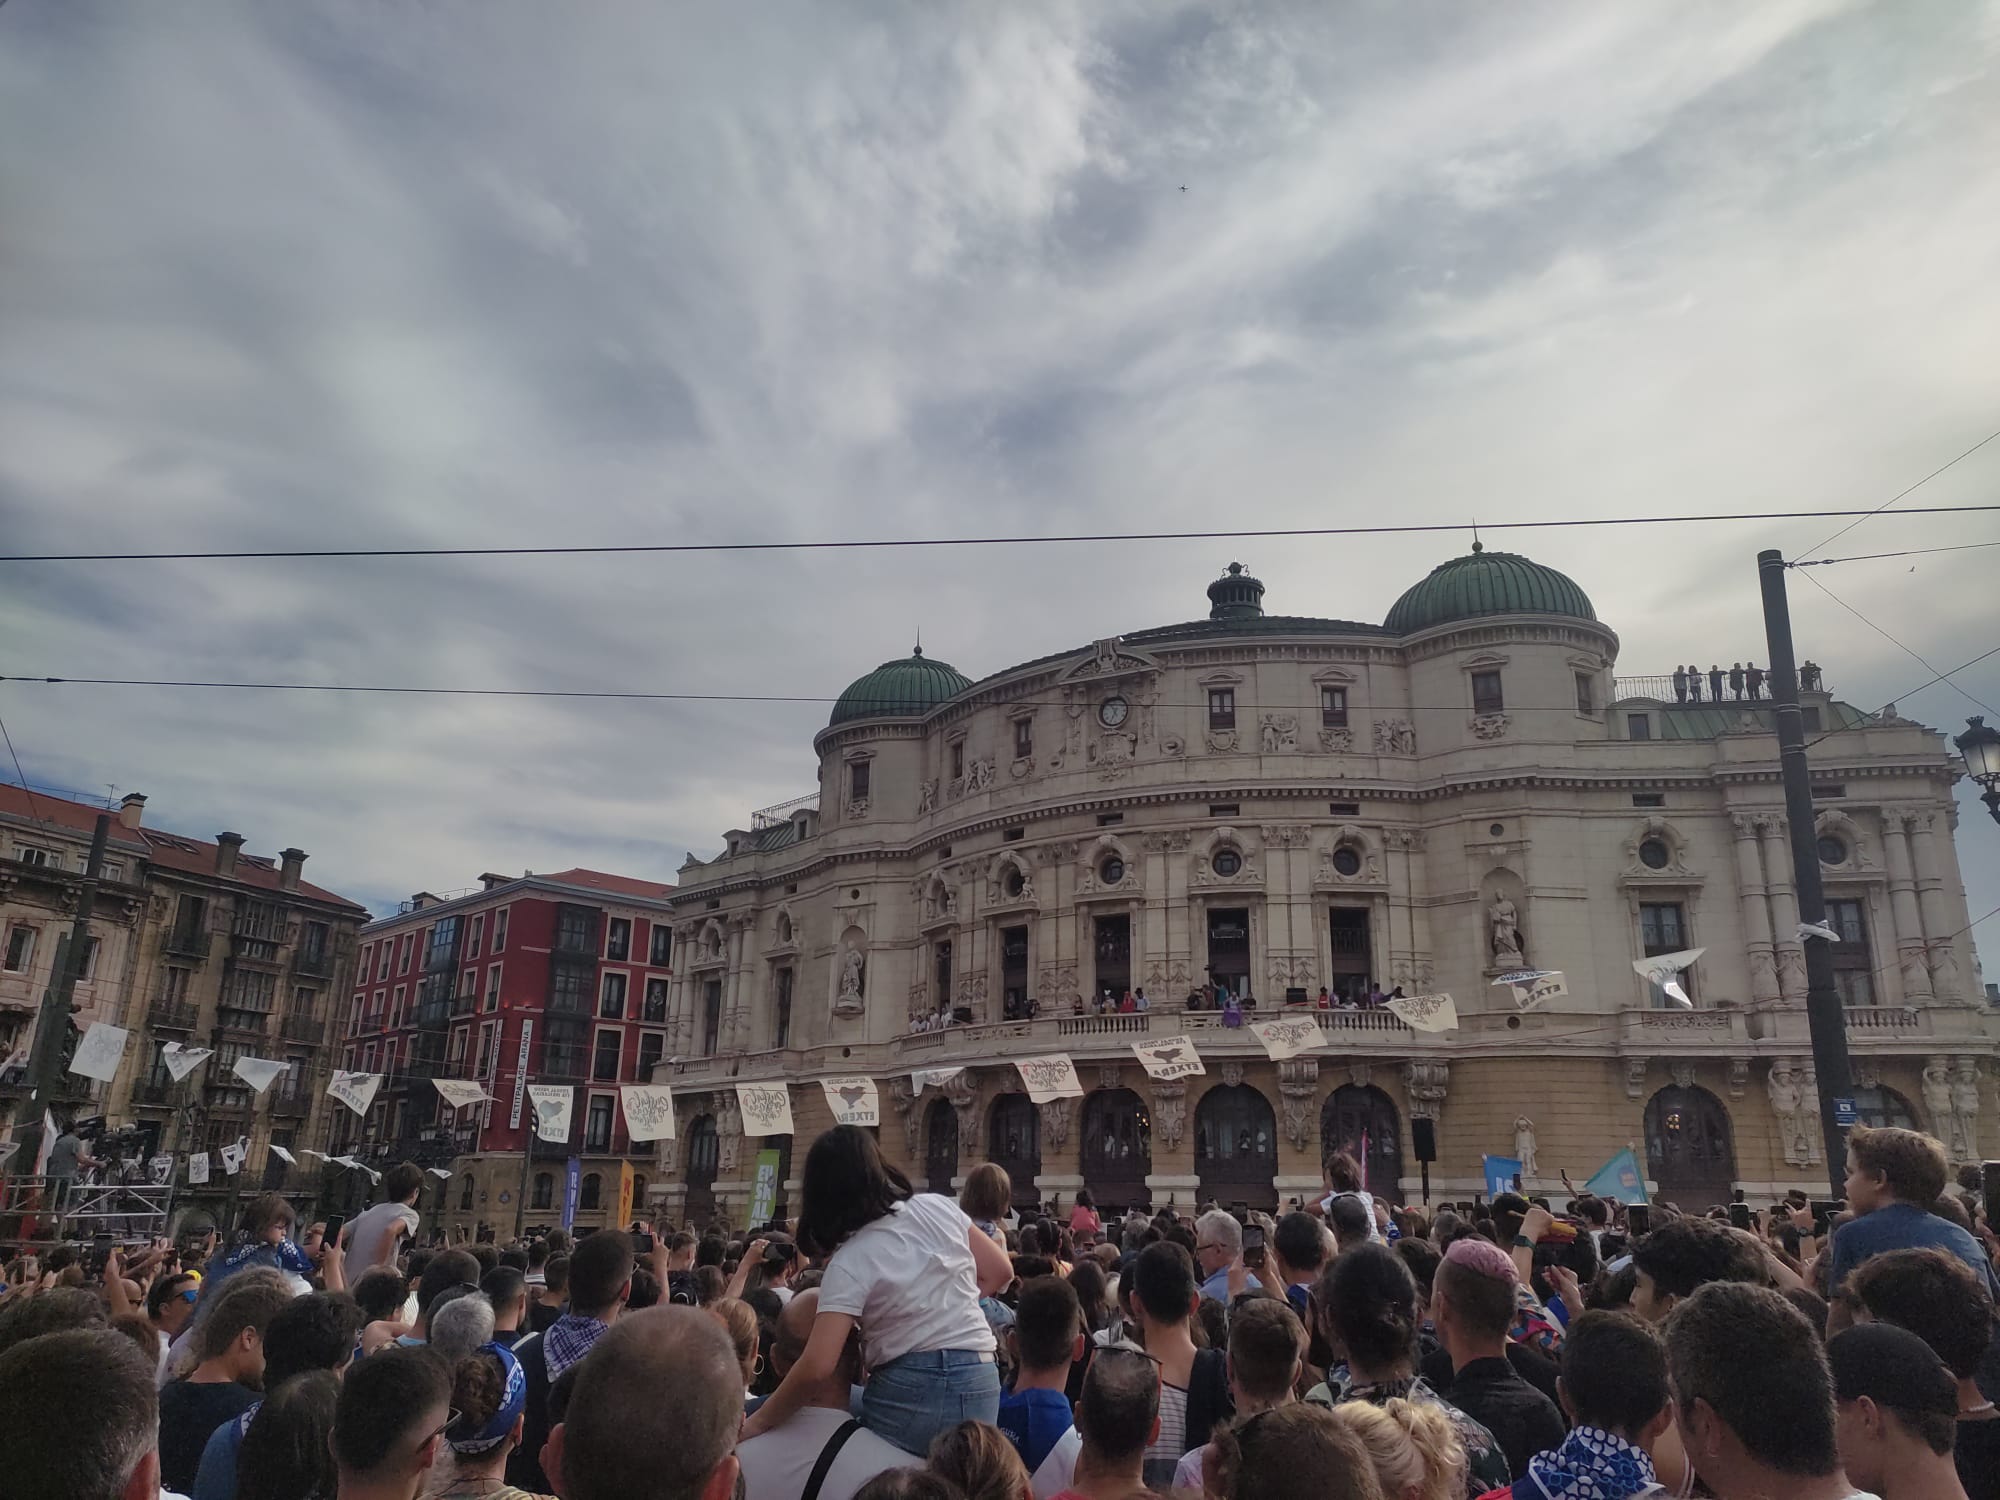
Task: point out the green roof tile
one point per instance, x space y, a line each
906 689
1486 583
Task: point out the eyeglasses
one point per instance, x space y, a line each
452 1418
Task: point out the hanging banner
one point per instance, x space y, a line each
854 1101
932 1078
552 1103
1170 1057
627 1181
283 1155
1051 1077
180 1061
1503 1173
316 1155
649 1111
459 1092
1426 1012
99 1052
1619 1180
1532 986
521 1074
442 1174
767 1108
1663 972
373 1175
258 1073
572 1182
232 1158
159 1170
345 1161
764 1191
1288 1036
198 1169
355 1090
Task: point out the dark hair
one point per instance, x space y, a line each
1093 1294
78 1411
909 1484
986 1192
1683 1254
1485 1304
250 1299
1811 1305
538 1254
1265 1342
846 1185
646 1290
381 1293
1343 1172
478 1389
1371 1301
1047 1319
1348 1217
1084 1199
672 1359
1422 1257
1119 1404
448 1269
981 1461
402 1181
555 1273
1614 1370
164 1289
1300 1242
1593 1211
503 1284
486 1255
265 1210
1910 1162
515 1259
712 1250
1163 1283
598 1270
55 1311
1759 1365
284 1454
382 1401
1934 1295
709 1285
316 1332
1295 1452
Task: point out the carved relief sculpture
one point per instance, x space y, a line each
1505 934
1489 727
1055 1117
1938 1102
1425 1083
1278 733
1965 1109
1169 1112
1336 741
1524 1146
904 1098
1395 737
1298 1082
1794 1097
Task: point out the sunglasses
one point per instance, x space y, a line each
192 1294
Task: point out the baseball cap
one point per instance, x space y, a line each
1893 1368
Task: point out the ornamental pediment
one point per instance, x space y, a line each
1110 657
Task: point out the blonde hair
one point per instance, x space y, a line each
1415 1449
739 1320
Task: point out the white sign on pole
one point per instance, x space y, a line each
355 1090
1169 1058
552 1106
649 1111
257 1072
180 1061
1426 1012
198 1168
1288 1036
766 1107
521 1074
458 1092
99 1051
854 1101
1051 1077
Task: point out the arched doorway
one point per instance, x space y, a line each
1117 1149
1015 1142
1883 1109
1690 1150
1236 1147
940 1146
704 1151
1353 1116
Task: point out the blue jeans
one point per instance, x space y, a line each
911 1400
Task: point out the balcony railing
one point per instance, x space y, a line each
146 1091
291 1105
252 950
173 1015
241 1023
182 943
311 965
299 1028
464 1005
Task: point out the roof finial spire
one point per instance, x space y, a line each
920 642
1477 545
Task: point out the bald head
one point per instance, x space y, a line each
795 1326
614 1447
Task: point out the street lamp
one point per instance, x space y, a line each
1981 748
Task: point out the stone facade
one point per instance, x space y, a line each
1282 803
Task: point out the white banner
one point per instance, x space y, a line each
99 1052
355 1090
552 1102
1532 986
854 1101
1426 1012
521 1074
283 1155
649 1111
932 1078
159 1170
232 1158
1663 971
345 1161
257 1072
316 1155
180 1061
442 1174
767 1108
459 1092
198 1168
1051 1077
1170 1057
1288 1036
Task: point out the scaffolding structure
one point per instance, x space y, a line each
39 1213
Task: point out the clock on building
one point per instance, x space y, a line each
1112 711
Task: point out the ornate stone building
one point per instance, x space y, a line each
1270 804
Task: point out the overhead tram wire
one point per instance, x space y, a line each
1907 651
1827 562
1073 539
1901 493
33 806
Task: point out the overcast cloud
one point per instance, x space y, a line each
422 274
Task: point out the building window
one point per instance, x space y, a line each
394 1017
612 1007
656 1001
781 1028
41 859
1222 708
1586 696
21 950
367 1057
1347 861
500 929
177 985
957 760
475 936
652 1047
1832 851
1024 738
484 1066
1655 855
1638 726
315 938
576 929
1227 862
1663 929
597 1127
465 1193
442 953
1333 707
544 1195
618 939
1853 960
1015 882
711 1016
1109 820
459 1036
1112 871
1809 718
662 956
857 781
493 987
593 1185
604 1061
1486 695
382 957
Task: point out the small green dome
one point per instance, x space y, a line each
1486 583
902 689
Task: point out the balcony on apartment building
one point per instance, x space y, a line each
231 1024
255 952
173 1015
313 963
294 1105
184 941
301 1026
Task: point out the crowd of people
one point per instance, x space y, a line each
1740 683
887 1344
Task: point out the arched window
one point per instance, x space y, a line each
1236 1147
593 1188
940 1146
545 1191
1117 1147
1883 1108
465 1191
1353 1116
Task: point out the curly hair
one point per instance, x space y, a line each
982 1461
1415 1449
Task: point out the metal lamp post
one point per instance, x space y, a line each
1980 745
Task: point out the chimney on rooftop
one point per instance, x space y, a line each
227 847
490 880
131 808
288 871
422 899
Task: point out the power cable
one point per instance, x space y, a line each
1901 493
1827 562
1941 677
1936 676
970 541
34 807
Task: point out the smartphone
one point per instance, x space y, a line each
642 1244
334 1224
1639 1220
1823 1210
1739 1215
1253 1239
1989 1186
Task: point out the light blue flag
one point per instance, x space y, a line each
1500 1174
1620 1180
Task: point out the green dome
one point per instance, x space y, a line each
1486 583
908 688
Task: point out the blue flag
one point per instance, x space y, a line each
1500 1174
1621 1180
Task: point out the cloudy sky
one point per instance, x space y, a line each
444 273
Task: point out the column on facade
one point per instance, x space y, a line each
680 1008
1756 911
736 940
1912 963
1421 961
1934 905
1784 907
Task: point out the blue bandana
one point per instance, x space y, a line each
1592 1464
513 1401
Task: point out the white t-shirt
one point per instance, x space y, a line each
777 1465
1188 1475
910 1279
1059 1468
368 1237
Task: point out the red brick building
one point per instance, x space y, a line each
546 979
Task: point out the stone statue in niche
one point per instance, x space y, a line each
927 797
1524 1146
853 974
1965 1110
1503 925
